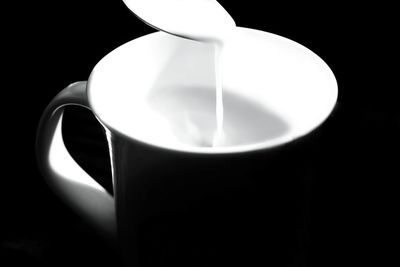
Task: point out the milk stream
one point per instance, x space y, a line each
219 135
200 20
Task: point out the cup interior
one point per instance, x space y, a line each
277 87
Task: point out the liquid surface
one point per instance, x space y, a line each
190 112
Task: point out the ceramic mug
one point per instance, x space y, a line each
180 205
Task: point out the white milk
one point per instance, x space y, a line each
200 20
219 135
189 113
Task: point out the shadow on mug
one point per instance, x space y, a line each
243 209
233 221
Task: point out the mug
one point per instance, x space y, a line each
182 205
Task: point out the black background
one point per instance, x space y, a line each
51 44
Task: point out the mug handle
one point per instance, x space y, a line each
63 174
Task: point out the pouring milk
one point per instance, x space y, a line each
200 20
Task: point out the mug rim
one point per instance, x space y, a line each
264 145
